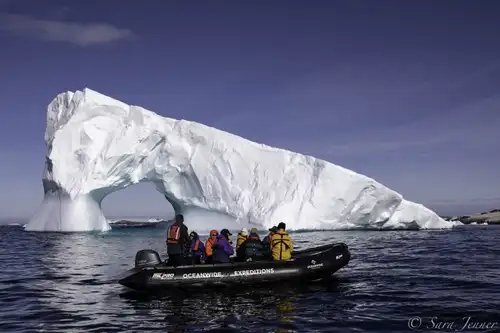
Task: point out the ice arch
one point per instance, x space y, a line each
97 145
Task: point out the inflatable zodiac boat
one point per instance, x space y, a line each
306 265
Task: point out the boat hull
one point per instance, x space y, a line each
311 264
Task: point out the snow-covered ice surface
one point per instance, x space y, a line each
97 145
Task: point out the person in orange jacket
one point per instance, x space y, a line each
208 246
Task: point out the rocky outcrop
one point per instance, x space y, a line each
120 224
491 217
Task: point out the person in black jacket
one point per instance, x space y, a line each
252 248
177 237
267 239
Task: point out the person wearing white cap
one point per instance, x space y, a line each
242 236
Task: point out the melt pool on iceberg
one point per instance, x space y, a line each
97 145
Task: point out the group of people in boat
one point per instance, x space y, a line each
187 248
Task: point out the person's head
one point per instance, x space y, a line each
193 235
244 232
179 218
225 233
281 226
273 230
213 234
254 234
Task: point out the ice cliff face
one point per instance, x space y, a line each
97 145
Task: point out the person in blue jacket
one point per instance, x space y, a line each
197 249
222 248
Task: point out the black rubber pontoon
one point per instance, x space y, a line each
310 264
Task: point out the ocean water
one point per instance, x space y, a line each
397 281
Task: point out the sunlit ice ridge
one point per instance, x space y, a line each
97 145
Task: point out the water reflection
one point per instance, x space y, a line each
73 290
229 308
285 312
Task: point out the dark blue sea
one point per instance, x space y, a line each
397 281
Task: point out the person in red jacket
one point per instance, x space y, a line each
177 237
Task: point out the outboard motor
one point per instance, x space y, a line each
145 258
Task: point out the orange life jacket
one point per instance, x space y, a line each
208 246
196 245
174 234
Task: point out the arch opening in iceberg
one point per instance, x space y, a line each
139 202
97 145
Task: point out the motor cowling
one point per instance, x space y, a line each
145 258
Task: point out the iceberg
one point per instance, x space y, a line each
97 145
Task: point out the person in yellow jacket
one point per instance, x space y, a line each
281 244
242 236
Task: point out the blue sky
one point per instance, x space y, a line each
405 92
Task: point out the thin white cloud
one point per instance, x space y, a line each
82 34
475 124
472 125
